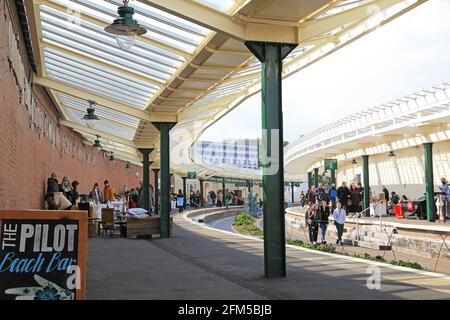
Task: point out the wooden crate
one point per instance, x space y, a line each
147 227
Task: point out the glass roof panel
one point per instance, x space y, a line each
97 33
91 40
104 126
104 79
162 27
95 86
222 5
109 74
101 111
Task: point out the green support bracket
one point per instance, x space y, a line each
156 176
366 184
429 184
201 192
146 178
184 191
223 190
333 176
271 56
164 145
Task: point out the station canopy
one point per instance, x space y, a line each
190 68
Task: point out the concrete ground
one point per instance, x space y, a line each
205 263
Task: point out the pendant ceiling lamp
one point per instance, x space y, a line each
125 29
97 145
90 117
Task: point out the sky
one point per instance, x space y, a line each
403 56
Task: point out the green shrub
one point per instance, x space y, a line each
243 219
319 247
407 264
245 224
401 263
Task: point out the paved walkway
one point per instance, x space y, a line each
204 263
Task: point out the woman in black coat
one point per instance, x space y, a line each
354 198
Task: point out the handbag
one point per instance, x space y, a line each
61 201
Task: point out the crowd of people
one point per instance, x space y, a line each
64 195
324 201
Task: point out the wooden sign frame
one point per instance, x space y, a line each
80 216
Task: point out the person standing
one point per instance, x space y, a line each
343 195
311 195
219 198
354 199
313 223
386 193
74 194
302 199
444 187
209 200
320 194
361 196
108 192
445 197
213 198
339 221
96 194
332 195
323 220
66 188
52 184
180 201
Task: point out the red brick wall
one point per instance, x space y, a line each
30 150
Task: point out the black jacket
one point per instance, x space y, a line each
324 214
343 194
52 185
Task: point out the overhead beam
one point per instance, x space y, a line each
315 28
97 132
226 24
229 52
109 119
106 102
209 106
89 141
36 34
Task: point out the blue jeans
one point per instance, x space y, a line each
323 230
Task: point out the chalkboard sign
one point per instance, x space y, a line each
43 255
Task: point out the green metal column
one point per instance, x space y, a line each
366 184
184 191
310 179
429 184
271 56
156 175
146 177
164 150
316 177
201 193
333 176
223 190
